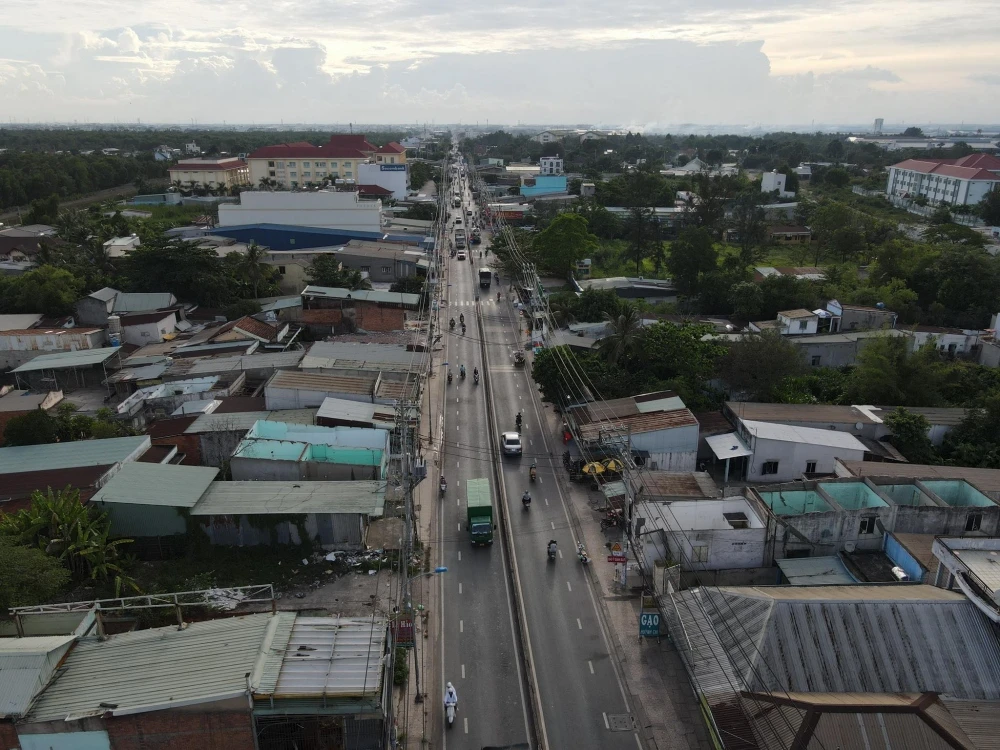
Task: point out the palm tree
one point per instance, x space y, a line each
207 188
177 184
192 184
624 332
253 271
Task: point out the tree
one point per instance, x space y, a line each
46 289
34 428
421 212
259 278
327 270
913 132
910 436
989 207
641 232
192 273
241 308
941 215
29 575
623 333
563 242
756 365
791 178
708 211
835 149
749 224
692 254
837 178
747 299
43 211
409 285
887 372
975 441
602 222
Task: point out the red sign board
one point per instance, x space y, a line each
402 630
617 554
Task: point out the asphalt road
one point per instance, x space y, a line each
480 653
579 688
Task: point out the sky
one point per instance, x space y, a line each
644 63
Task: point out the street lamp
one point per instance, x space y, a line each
409 608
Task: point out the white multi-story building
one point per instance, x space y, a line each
958 182
774 181
216 173
325 208
550 165
292 165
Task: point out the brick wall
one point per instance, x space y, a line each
189 445
363 316
182 730
8 736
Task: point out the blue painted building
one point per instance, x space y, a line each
535 185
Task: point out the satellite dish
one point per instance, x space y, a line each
858 425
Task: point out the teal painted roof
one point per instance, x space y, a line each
62 360
264 498
157 484
71 455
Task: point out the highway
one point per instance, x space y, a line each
579 693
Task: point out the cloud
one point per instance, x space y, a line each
642 61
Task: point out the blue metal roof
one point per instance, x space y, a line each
279 237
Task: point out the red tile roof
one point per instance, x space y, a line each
19 486
225 166
170 426
373 190
340 146
971 167
43 331
391 148
250 327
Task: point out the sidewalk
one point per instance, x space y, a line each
663 703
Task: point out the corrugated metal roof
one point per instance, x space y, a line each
365 295
865 639
157 484
354 356
808 435
244 420
137 301
324 383
155 669
821 413
816 571
252 498
63 360
639 423
333 656
214 365
24 458
26 664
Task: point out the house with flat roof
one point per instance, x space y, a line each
789 323
297 390
20 346
49 456
329 310
324 357
283 451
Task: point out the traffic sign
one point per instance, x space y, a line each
649 624
617 554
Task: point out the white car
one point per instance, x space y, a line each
461 255
511 443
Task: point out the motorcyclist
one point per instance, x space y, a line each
517 420
463 329
450 695
526 498
498 296
461 319
552 548
452 323
475 373
461 371
451 376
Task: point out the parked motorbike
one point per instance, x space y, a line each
614 519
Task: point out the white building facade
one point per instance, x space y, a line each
956 182
783 453
550 165
327 209
775 181
392 177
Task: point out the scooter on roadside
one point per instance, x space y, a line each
581 553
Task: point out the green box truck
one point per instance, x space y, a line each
480 508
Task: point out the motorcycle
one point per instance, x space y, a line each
517 422
581 553
552 550
452 324
449 711
461 319
475 377
461 372
463 329
443 486
526 500
498 296
450 377
614 519
533 473
450 704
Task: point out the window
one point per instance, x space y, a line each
810 467
270 164
769 467
867 525
271 173
816 360
803 325
293 174
305 165
386 269
281 269
281 165
348 174
307 174
700 553
291 241
320 164
973 521
291 163
366 269
333 165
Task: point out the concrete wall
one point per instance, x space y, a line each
148 333
189 445
42 342
218 447
264 469
328 209
91 312
792 459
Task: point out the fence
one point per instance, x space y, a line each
908 205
